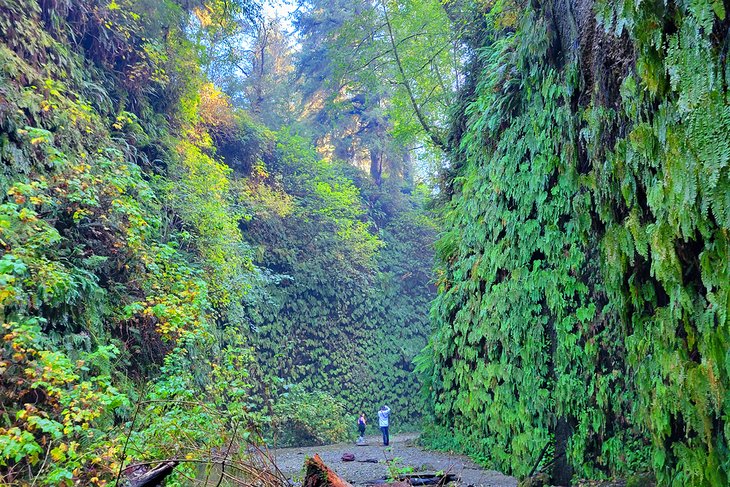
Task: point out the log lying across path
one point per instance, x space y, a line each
320 475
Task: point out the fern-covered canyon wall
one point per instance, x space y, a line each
584 279
347 267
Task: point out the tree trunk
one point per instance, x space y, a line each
376 165
561 468
561 471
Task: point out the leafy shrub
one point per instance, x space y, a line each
64 430
396 469
198 421
302 418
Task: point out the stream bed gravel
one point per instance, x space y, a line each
291 461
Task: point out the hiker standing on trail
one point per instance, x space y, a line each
361 423
383 420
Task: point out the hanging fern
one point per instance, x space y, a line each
585 264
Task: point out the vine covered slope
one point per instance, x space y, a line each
584 280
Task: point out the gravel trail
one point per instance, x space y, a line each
291 461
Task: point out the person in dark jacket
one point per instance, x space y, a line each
362 422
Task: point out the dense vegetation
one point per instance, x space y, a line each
216 232
352 260
584 280
180 274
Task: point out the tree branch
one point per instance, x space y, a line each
404 81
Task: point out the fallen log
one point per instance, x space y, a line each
425 478
151 478
417 479
320 475
436 480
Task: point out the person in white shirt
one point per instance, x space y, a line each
384 422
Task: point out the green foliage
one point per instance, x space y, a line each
202 195
196 409
427 66
308 418
68 408
118 257
584 266
521 349
330 202
377 79
346 311
396 469
670 276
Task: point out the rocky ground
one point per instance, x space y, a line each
402 447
